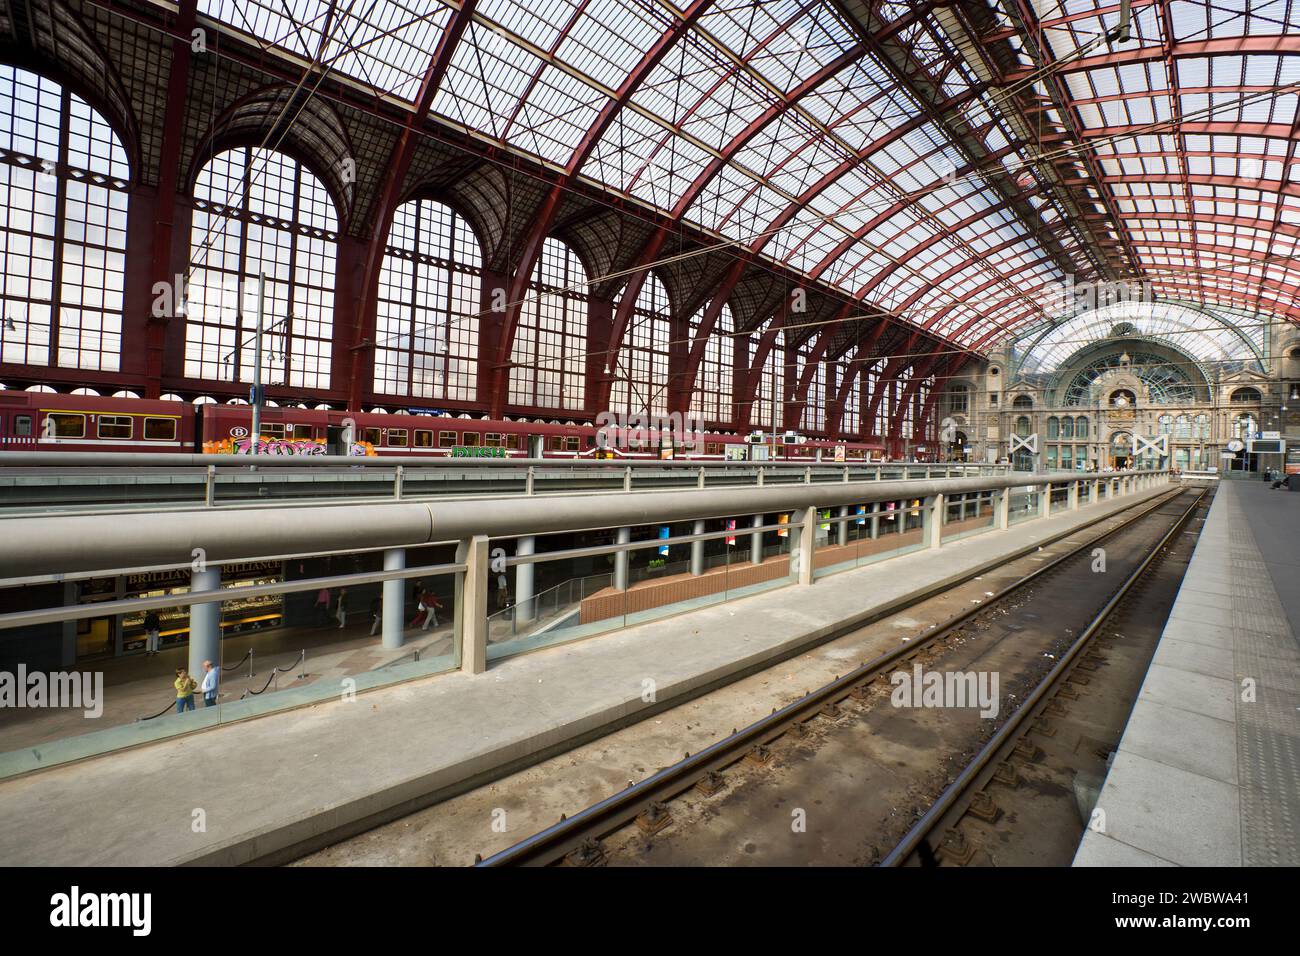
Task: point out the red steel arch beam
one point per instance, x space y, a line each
748 387
165 200
399 163
1277 45
835 413
545 217
919 375
751 253
891 369
654 246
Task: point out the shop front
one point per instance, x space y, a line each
238 615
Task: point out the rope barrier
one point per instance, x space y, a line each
275 673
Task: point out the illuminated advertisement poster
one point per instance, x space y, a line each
839 454
826 520
731 526
663 548
783 532
861 510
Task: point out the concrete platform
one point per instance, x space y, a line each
268 789
1204 775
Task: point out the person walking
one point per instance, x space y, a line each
185 688
376 615
211 678
431 606
421 608
152 629
340 612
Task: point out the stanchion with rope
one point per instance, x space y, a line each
275 676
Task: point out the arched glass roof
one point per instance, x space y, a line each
947 164
1215 338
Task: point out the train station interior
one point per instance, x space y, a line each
651 433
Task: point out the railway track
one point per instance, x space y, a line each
1005 758
641 812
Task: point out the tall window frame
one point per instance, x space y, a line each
641 384
65 179
261 211
427 322
548 353
713 398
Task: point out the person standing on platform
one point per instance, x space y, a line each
185 688
323 604
376 615
152 629
211 677
340 612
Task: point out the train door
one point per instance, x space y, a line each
338 439
536 445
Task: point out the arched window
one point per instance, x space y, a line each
551 336
1165 425
63 182
1245 396
813 417
426 330
642 372
259 212
1081 427
1203 427
1022 401
1182 428
1067 428
1053 427
712 400
769 395
1022 426
851 422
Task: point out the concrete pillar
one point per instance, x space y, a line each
842 535
1004 509
524 610
472 603
1073 499
756 541
205 622
803 525
393 604
1044 500
875 520
621 559
697 550
932 533
1094 497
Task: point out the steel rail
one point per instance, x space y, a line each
1010 729
553 844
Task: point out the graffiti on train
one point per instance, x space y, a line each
281 446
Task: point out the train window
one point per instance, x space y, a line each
712 448
470 439
160 429
512 441
301 432
397 438
571 443
114 426
553 443
446 439
23 426
491 439
61 425
423 438
272 430
372 436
